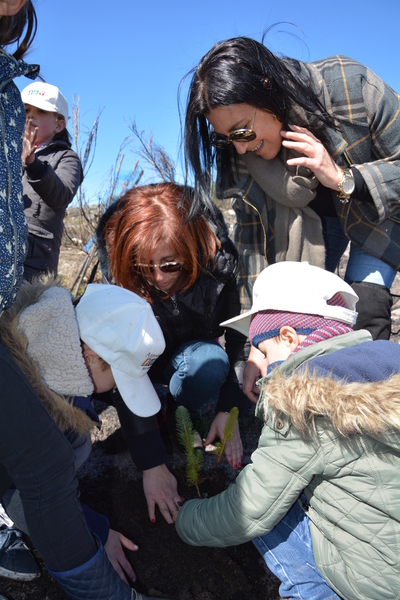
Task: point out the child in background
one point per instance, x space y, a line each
52 173
321 499
109 340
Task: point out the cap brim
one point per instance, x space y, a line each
240 323
138 393
42 104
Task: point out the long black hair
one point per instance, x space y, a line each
12 28
242 70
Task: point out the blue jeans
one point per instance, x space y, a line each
196 372
40 462
288 552
361 265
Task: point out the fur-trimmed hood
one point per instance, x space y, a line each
368 408
357 388
41 333
351 483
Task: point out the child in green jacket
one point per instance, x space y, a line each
321 499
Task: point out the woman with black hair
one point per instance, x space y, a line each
309 154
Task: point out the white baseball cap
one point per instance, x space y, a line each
121 328
300 288
45 96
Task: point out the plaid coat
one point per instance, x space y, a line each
367 115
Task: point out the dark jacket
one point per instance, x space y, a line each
13 230
212 299
49 185
71 413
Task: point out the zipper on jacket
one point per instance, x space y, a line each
258 212
347 158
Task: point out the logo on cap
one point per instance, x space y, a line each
149 361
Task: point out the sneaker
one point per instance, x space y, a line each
16 561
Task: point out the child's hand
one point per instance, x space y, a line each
234 448
114 547
28 143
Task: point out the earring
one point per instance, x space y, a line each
276 118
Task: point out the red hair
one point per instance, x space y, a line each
146 217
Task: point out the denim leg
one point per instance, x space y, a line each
40 462
361 265
335 242
196 372
287 550
365 267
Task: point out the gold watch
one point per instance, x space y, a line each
346 186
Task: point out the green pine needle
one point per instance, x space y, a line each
185 431
229 432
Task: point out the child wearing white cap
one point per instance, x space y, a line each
52 173
321 498
111 338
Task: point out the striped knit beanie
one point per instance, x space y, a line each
267 324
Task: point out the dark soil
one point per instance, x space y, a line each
165 566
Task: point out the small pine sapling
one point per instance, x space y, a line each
194 458
229 431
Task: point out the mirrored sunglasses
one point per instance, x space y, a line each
167 267
239 135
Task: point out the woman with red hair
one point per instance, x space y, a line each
187 272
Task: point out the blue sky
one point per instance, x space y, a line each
127 57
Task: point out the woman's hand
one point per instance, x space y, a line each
160 487
255 368
28 143
114 547
234 448
315 156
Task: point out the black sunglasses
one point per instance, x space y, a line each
166 267
239 135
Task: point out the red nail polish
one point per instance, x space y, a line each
239 465
153 520
234 466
